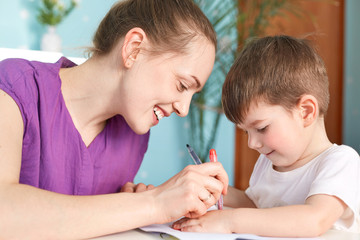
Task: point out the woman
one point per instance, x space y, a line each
73 136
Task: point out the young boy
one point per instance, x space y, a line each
302 185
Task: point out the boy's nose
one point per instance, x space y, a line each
254 142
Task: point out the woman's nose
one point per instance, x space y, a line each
181 108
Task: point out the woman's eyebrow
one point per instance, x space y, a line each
198 85
191 78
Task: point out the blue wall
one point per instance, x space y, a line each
167 153
20 29
352 75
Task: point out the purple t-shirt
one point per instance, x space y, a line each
54 157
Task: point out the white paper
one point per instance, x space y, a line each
166 228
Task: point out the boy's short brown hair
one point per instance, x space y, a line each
277 70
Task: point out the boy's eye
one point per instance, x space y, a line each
262 130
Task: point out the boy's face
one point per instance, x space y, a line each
278 134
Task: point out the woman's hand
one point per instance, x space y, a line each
190 192
131 187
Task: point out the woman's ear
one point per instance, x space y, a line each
131 47
308 106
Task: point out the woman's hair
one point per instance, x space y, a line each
278 70
169 24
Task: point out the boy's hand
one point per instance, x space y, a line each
135 188
217 221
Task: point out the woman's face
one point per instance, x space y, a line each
155 87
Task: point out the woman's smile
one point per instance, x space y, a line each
158 113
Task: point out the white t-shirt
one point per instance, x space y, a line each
334 172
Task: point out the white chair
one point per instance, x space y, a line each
33 55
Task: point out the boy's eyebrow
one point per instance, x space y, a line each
256 122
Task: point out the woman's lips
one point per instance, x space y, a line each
158 113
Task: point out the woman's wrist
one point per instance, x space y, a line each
154 210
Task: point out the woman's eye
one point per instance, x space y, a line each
182 87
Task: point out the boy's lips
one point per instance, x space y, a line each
267 154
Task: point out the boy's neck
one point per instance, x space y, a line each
318 139
317 143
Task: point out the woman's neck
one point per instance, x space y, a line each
89 91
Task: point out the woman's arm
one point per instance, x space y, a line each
32 213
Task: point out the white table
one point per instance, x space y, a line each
140 235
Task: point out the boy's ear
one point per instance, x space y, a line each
131 47
308 106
